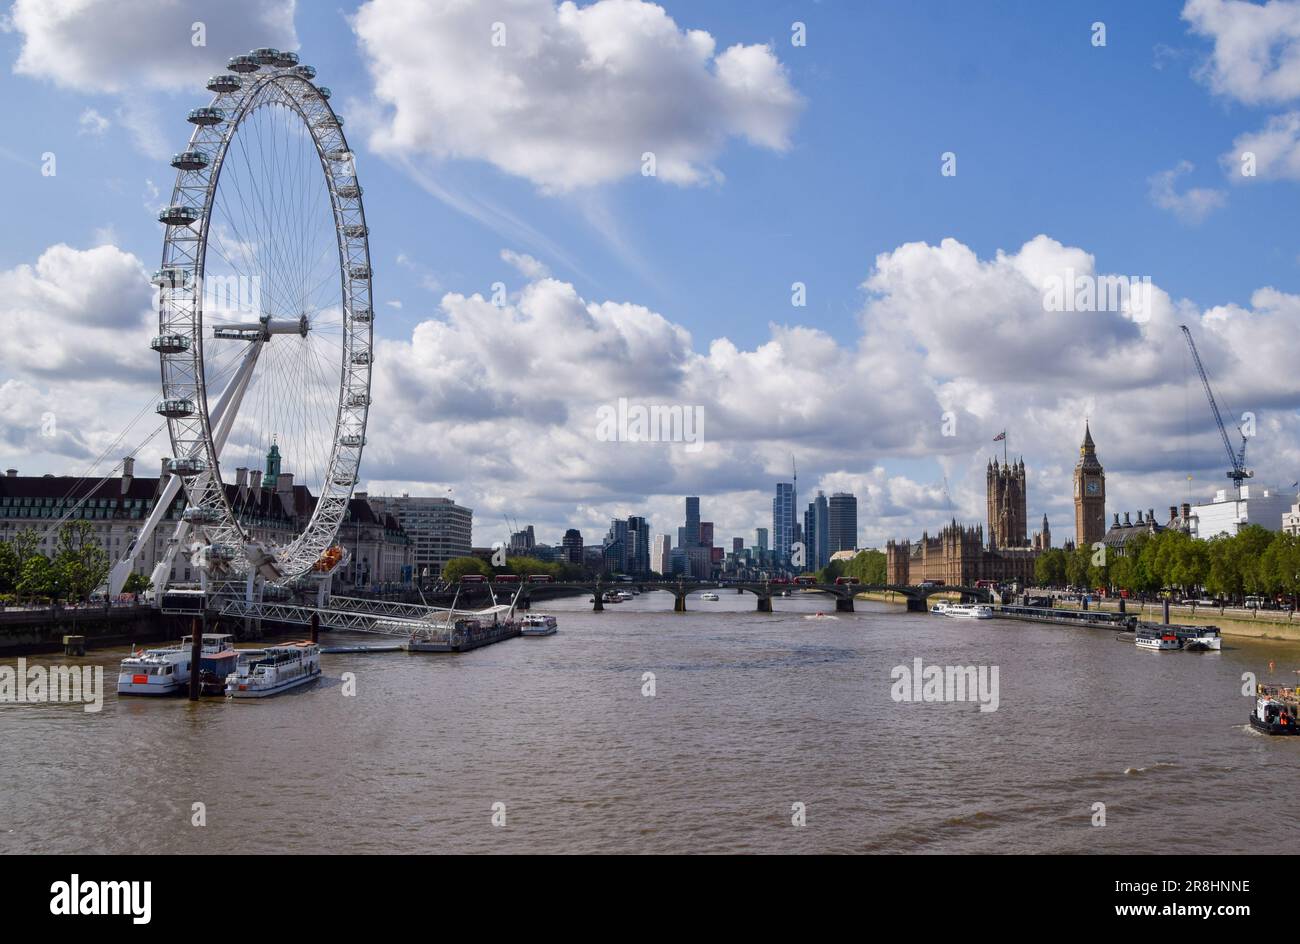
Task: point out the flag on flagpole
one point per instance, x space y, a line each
1000 436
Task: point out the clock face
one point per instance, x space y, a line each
1094 488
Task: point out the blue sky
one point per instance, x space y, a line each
1052 136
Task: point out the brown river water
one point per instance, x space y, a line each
751 714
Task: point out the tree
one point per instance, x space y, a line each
10 567
458 567
831 572
1050 568
870 567
137 583
38 579
1077 566
81 564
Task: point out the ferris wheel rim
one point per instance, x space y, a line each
181 317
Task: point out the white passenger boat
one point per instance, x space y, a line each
538 624
940 608
710 596
969 611
163 671
624 595
1160 642
274 669
1202 639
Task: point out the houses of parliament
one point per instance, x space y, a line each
959 555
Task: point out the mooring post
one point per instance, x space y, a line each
1166 609
196 654
315 626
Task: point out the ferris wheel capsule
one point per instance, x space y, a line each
178 214
205 117
325 91
355 230
173 277
352 440
305 72
363 315
200 514
243 64
190 160
265 56
349 191
224 84
187 466
361 358
176 408
359 272
170 344
286 59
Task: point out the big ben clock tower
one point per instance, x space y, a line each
1089 494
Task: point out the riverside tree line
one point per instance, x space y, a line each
1253 562
75 567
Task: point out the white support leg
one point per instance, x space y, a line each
223 417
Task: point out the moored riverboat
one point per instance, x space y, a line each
260 673
1157 641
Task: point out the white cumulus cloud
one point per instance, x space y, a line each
567 96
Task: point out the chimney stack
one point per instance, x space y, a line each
11 473
1187 512
1127 523
163 473
284 482
1173 513
128 473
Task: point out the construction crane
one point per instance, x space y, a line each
1238 472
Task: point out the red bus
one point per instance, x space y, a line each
804 581
473 578
506 578
847 580
540 578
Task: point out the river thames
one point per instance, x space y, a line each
751 714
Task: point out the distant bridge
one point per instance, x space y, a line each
843 594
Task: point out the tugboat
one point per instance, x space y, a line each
1272 715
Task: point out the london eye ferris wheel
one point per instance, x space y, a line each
265 307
